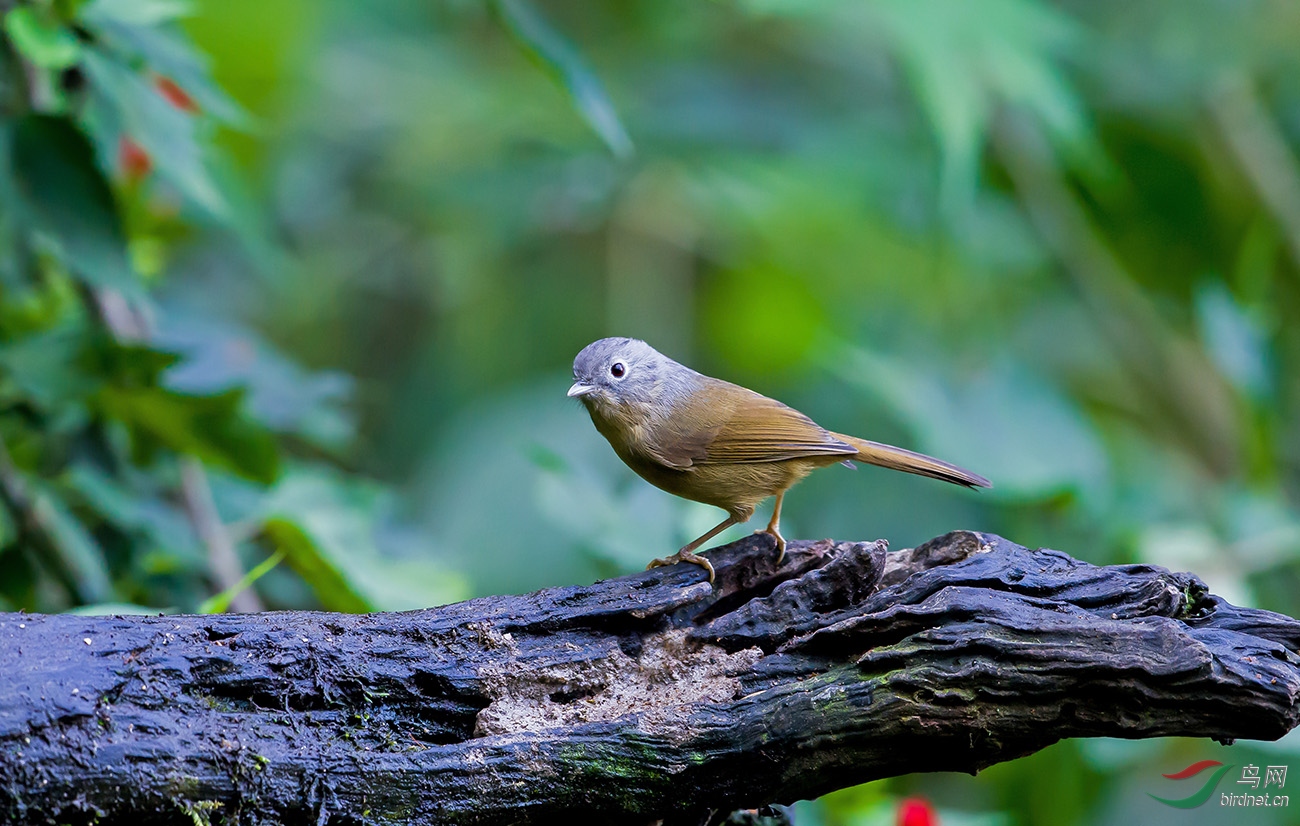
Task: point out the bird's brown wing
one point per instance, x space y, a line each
760 429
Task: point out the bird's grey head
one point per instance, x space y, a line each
619 371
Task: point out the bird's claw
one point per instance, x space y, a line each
683 556
780 542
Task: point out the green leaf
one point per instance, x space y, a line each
168 52
220 603
282 396
136 505
210 428
78 553
123 101
129 365
314 564
554 54
123 382
331 525
1235 340
967 59
52 164
45 368
43 42
134 12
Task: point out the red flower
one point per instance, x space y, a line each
174 94
916 811
134 161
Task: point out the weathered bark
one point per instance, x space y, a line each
648 696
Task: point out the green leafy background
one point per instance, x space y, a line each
289 293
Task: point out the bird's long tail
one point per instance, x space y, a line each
896 458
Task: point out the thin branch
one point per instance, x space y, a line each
130 322
223 561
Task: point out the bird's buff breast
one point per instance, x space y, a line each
733 487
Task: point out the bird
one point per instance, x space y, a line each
715 442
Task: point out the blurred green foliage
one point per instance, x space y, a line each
151 457
302 281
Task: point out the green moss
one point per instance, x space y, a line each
1193 593
183 787
633 762
200 811
213 703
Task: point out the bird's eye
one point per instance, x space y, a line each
617 369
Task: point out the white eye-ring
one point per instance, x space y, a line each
618 370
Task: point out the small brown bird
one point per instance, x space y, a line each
716 442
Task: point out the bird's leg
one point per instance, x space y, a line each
774 528
687 554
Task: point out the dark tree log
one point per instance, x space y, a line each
648 696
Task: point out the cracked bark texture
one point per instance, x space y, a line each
644 697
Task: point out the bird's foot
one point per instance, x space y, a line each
780 541
683 556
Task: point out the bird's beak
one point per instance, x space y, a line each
580 389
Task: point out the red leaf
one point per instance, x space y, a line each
917 811
134 161
174 94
